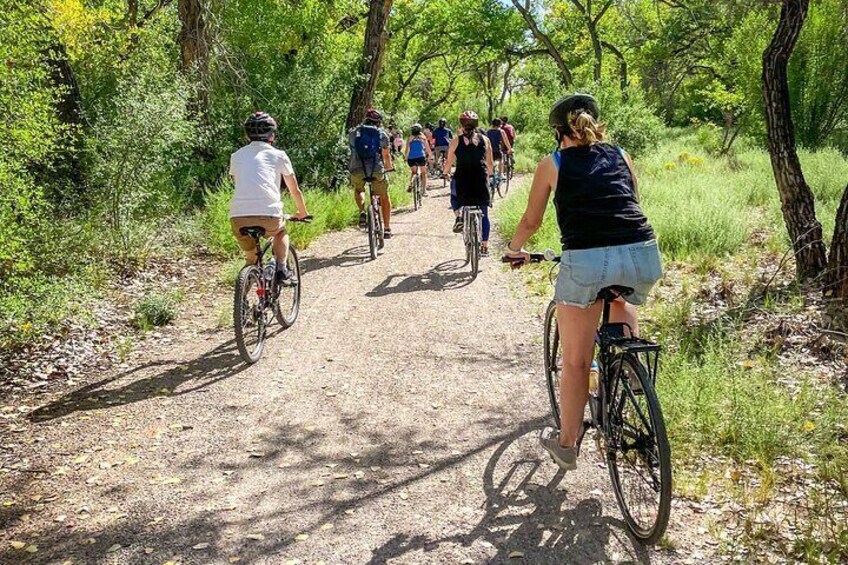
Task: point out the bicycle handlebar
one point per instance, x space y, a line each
305 220
548 255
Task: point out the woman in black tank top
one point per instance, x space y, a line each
472 153
606 240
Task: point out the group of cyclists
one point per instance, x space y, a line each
606 238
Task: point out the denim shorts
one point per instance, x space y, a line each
584 272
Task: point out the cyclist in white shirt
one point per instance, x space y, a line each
258 170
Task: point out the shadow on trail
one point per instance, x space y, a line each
444 276
517 504
176 379
348 258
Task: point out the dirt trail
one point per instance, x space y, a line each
396 422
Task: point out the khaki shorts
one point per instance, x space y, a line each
272 224
380 184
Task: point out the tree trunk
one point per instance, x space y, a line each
542 38
194 50
795 195
836 277
596 48
372 60
622 64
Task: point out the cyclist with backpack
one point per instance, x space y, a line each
472 153
370 160
418 154
258 170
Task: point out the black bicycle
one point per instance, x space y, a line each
472 236
625 413
509 168
374 223
417 192
259 298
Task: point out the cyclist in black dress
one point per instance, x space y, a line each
472 153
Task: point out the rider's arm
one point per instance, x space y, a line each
451 156
429 151
540 191
387 159
490 161
406 148
297 195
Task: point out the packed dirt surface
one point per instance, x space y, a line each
396 422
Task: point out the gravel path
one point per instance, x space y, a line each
396 422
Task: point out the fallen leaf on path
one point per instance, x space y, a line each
404 496
375 468
257 454
148 550
114 548
317 483
327 526
340 476
301 537
516 555
200 546
233 559
255 537
330 394
359 474
31 548
17 544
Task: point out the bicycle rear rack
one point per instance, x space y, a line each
619 340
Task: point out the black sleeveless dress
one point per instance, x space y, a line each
471 174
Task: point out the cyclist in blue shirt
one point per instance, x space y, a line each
417 155
442 137
500 144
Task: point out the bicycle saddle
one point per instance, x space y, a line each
610 293
252 231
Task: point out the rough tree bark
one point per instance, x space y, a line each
836 277
624 82
372 60
194 50
795 195
541 37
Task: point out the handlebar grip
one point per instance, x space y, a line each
304 220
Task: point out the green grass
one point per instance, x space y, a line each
157 309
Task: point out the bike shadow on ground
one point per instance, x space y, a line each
352 257
529 516
449 275
172 377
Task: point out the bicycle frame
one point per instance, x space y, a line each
469 213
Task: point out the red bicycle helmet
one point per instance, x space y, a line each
372 115
469 119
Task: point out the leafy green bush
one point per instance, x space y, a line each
157 309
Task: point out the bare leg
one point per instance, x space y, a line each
622 311
281 247
359 197
577 339
386 208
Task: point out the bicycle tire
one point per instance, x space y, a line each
248 276
503 187
288 320
475 246
415 202
553 368
378 224
650 533
372 231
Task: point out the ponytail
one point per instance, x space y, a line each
585 130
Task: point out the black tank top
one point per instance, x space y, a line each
471 174
595 200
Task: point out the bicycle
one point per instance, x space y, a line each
374 223
472 236
417 192
624 411
258 298
509 167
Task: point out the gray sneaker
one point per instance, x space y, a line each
565 457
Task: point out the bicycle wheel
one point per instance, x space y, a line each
288 297
474 241
553 360
378 225
248 315
416 192
372 231
638 452
503 186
